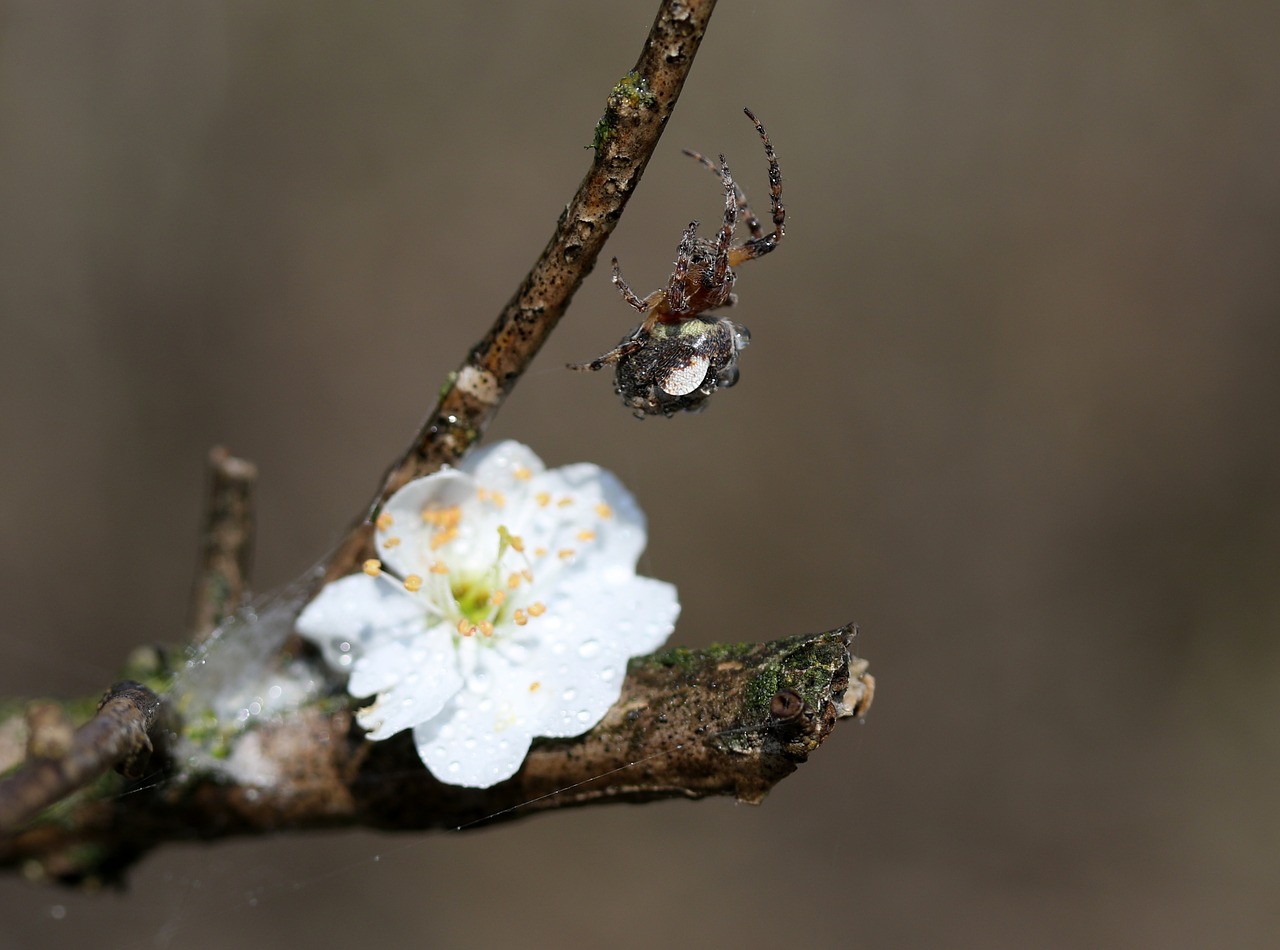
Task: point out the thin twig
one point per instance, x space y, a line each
226 549
59 762
626 136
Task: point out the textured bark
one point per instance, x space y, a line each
730 720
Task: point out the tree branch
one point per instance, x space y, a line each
226 550
59 761
626 136
727 720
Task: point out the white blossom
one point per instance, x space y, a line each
504 604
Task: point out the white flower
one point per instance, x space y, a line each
504 606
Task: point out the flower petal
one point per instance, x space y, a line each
503 466
476 741
357 613
410 544
413 680
581 660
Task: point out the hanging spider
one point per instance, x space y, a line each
681 354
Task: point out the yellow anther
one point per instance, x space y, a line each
439 567
372 567
539 552
517 543
482 494
497 597
499 499
486 628
513 581
441 538
520 617
543 498
384 521
603 510
564 502
522 474
535 686
586 535
465 628
565 553
443 518
537 608
413 583
527 575
391 543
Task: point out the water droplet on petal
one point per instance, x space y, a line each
569 695
455 767
589 648
344 661
344 647
584 716
470 744
406 703
608 674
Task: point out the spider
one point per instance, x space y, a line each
680 354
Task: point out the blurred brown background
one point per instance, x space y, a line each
1011 404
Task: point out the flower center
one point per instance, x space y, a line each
474 597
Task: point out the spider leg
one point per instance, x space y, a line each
744 209
627 293
726 228
760 246
621 351
676 288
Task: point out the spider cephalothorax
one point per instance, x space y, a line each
681 353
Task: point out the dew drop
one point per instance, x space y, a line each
344 646
275 692
588 649
608 674
406 703
569 695
584 715
455 767
344 661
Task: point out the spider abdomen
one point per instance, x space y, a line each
680 365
